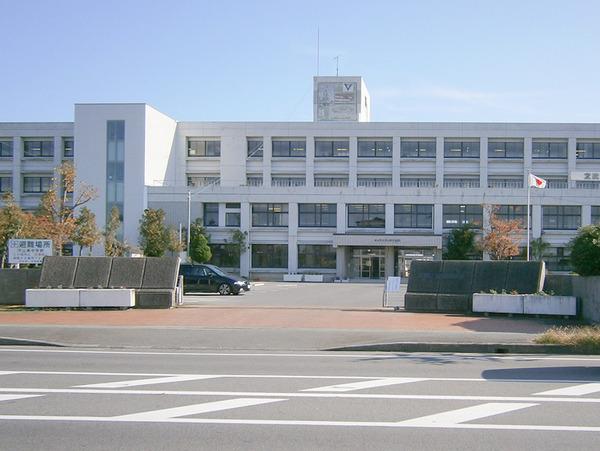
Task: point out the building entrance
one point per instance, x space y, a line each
406 256
367 263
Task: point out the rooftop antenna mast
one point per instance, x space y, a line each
318 50
337 65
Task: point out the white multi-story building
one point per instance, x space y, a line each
340 196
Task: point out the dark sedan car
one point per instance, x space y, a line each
210 279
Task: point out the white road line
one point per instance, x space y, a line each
153 381
251 394
353 424
577 390
347 355
194 409
365 384
13 397
3 373
453 417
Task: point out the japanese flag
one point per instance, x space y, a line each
536 182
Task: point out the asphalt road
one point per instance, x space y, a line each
55 399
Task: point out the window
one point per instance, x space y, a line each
332 148
288 181
366 216
318 256
505 149
454 216
204 148
225 255
232 219
561 217
269 215
549 149
115 169
331 181
36 184
417 149
461 149
317 215
38 148
6 148
269 255
595 215
413 216
255 148
283 148
505 182
211 215
588 150
375 149
5 184
461 182
511 212
233 205
558 259
206 180
374 182
68 149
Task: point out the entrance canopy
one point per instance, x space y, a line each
408 240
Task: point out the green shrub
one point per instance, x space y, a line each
585 251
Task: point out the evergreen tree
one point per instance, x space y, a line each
585 251
86 232
461 243
199 250
154 235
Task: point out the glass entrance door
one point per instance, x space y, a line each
368 263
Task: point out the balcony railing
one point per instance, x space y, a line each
374 183
461 183
287 183
254 181
331 182
557 184
505 184
417 183
588 185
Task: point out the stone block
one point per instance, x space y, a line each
58 272
92 272
456 277
155 298
161 272
453 303
420 302
118 297
525 277
52 297
126 272
490 276
550 305
424 276
497 303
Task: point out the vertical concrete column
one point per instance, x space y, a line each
58 151
267 155
389 219
438 226
483 162
16 169
310 161
389 261
221 214
586 215
353 162
486 228
527 158
536 221
292 237
572 160
341 218
396 162
439 161
245 257
341 263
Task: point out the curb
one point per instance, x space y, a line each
9 341
480 348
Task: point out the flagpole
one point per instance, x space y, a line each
528 209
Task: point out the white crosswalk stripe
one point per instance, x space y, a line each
365 384
153 381
576 390
14 397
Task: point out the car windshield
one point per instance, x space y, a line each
218 270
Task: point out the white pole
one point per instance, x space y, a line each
189 220
528 208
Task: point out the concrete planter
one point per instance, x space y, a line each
52 297
497 303
123 298
292 277
550 305
313 277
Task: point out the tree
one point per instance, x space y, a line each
86 232
585 251
199 250
13 222
174 245
503 238
538 248
154 235
113 247
461 243
55 217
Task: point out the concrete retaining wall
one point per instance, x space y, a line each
14 282
585 288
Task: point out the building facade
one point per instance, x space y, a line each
339 196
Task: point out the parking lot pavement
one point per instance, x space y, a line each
360 296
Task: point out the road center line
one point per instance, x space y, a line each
153 381
453 417
577 390
194 409
14 397
365 384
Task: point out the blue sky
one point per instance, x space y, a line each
508 61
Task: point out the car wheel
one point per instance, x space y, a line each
224 289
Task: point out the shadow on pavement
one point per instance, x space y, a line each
438 359
566 373
505 324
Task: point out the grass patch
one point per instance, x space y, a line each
582 338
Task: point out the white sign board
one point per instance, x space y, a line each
392 284
586 176
337 101
28 251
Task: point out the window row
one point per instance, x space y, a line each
310 256
37 148
409 148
